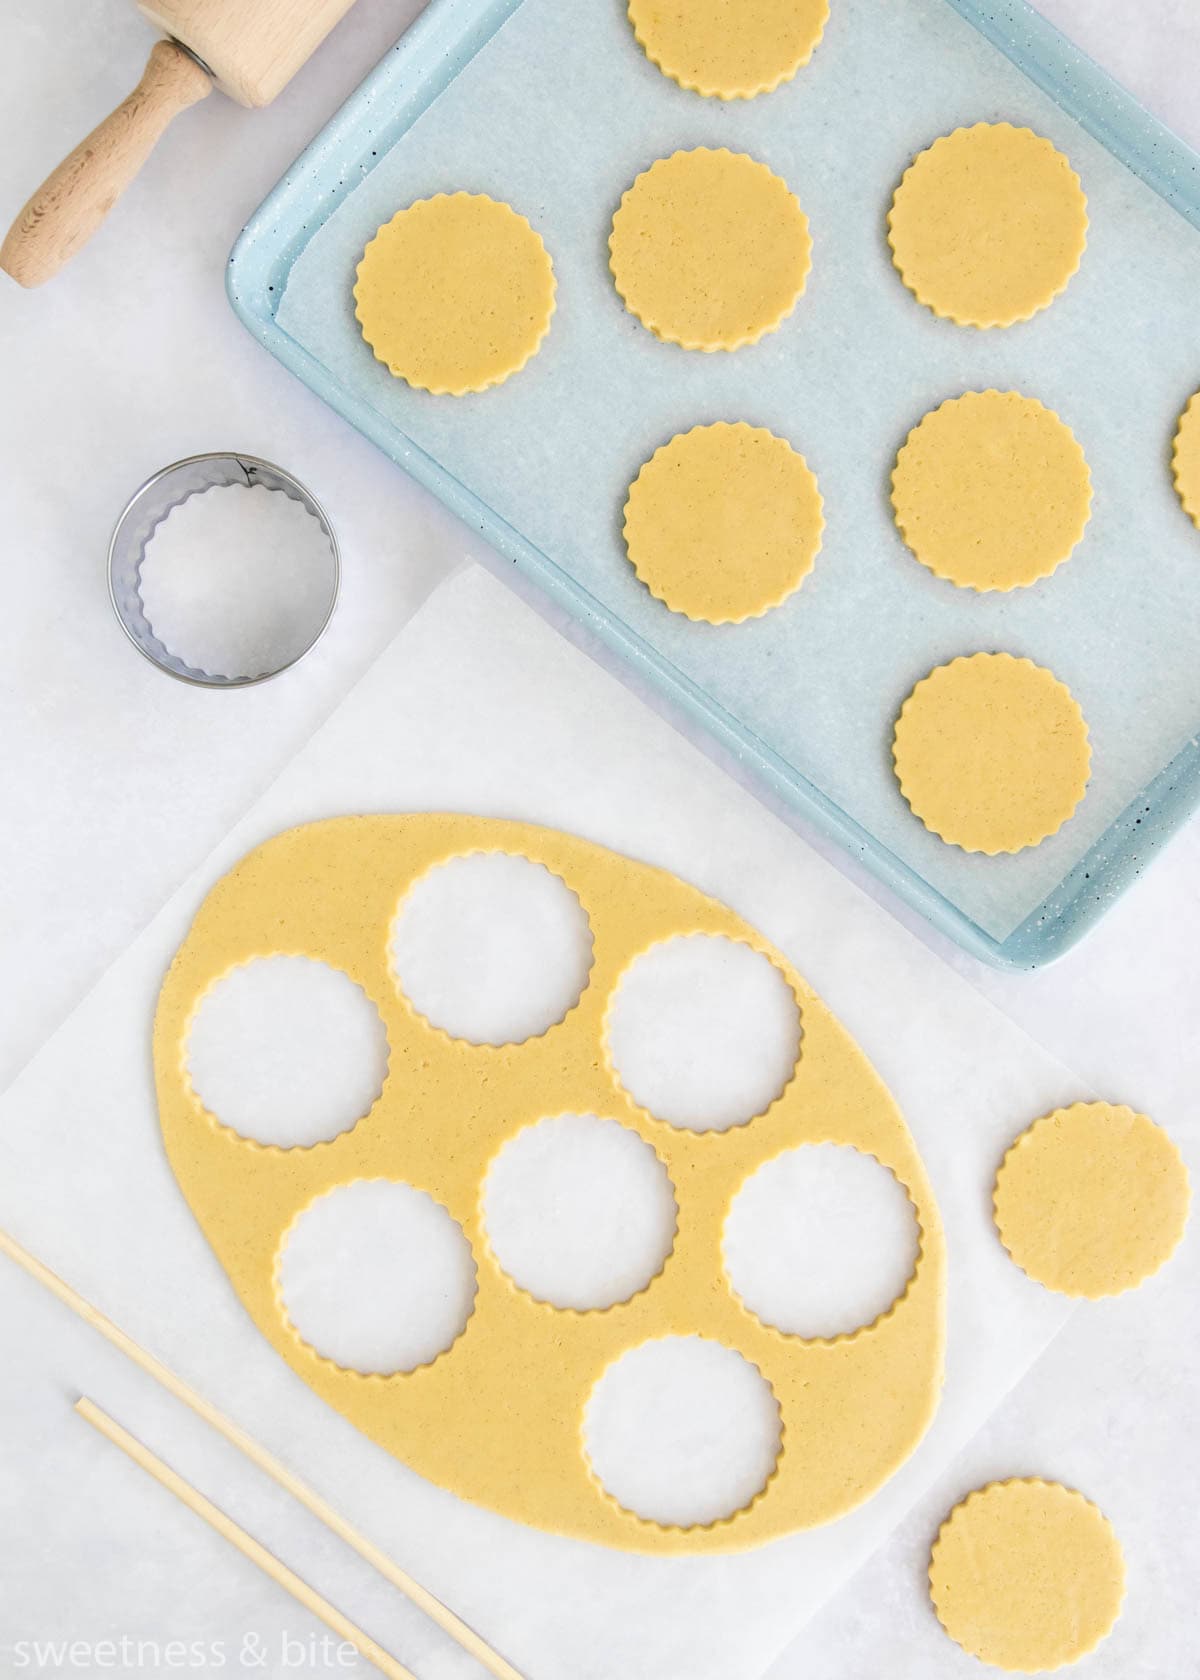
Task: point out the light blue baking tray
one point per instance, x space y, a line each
551 105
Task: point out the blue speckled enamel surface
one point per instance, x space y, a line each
554 108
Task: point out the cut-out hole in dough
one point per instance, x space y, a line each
704 1032
377 1276
821 1240
287 1051
492 948
682 1431
579 1211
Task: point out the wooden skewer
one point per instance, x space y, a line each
249 1547
270 1465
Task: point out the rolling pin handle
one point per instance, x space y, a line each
66 210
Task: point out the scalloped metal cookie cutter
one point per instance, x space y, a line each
145 511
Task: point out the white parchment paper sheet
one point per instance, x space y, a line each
477 706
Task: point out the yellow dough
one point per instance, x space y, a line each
455 293
1185 459
991 490
1027 1575
729 49
723 522
991 752
1092 1199
710 250
988 225
498 1417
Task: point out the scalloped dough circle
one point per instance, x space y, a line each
1185 459
682 1431
729 49
988 225
1092 1199
710 249
1027 1575
991 753
724 522
376 1276
455 293
991 491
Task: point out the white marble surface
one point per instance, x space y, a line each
474 670
132 359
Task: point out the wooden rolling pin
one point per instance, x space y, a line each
250 49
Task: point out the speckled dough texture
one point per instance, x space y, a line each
455 293
724 522
1185 459
710 249
498 1417
729 49
1091 1200
991 491
988 225
991 752
1027 1575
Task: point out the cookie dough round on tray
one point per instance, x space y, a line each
1185 459
1027 1575
729 49
991 752
723 522
455 293
710 249
991 491
1091 1200
988 225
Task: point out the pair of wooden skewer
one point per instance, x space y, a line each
245 1543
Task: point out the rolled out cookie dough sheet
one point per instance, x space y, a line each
557 115
518 722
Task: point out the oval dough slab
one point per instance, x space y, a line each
991 491
455 293
729 49
498 1418
723 522
988 225
1185 459
991 752
1027 1575
1091 1200
710 250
